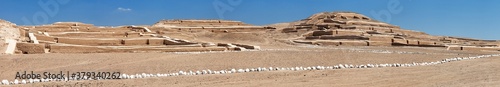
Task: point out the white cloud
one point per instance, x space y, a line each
124 9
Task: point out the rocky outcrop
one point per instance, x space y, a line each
8 30
9 34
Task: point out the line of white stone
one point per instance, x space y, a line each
259 69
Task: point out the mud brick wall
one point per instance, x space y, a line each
313 37
91 42
320 33
171 42
188 49
454 48
400 41
422 42
348 32
381 38
351 37
413 42
379 43
381 29
76 49
100 35
156 41
94 49
30 48
131 42
45 38
247 46
407 32
354 43
481 48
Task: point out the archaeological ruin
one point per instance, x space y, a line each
76 37
326 29
353 29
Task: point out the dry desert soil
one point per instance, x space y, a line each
477 72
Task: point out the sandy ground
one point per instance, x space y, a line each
276 52
479 72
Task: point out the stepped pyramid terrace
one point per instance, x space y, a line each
325 49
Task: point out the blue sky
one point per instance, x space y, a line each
464 18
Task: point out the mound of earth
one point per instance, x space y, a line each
353 29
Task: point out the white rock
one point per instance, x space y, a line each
336 67
16 82
191 73
321 67
36 80
30 81
181 72
234 70
204 72
241 71
5 82
124 76
247 70
341 66
131 77
42 80
361 66
210 71
198 72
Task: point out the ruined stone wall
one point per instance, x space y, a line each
131 42
473 48
30 48
341 43
381 40
45 38
54 48
90 42
199 23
